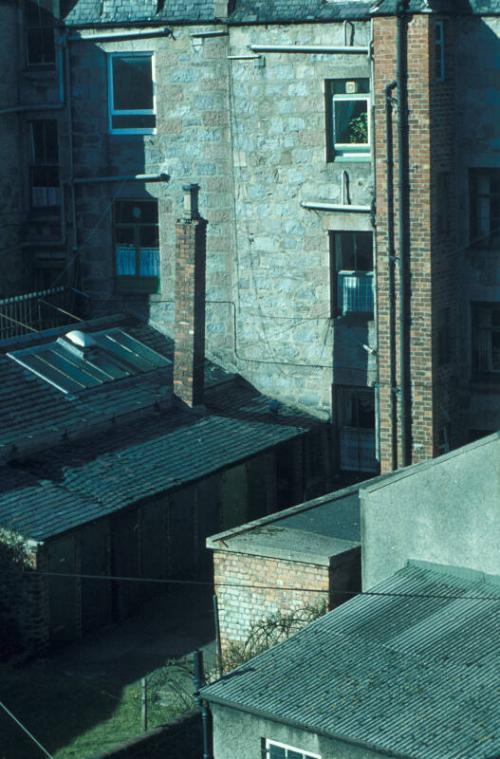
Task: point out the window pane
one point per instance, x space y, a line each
133 122
41 46
364 255
495 351
148 237
351 122
40 12
45 176
295 754
276 752
125 235
148 210
366 413
44 147
344 246
124 211
132 83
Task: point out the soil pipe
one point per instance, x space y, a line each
391 262
403 229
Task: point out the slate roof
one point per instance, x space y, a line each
33 413
263 11
148 456
414 674
109 12
97 12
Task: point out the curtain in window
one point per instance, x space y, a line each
125 261
149 262
355 292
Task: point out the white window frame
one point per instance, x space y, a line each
351 149
130 112
306 754
439 49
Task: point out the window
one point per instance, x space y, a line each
352 273
348 118
137 247
40 16
274 750
486 338
485 207
44 164
443 202
131 93
355 410
439 51
443 337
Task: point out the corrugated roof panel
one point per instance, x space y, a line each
413 670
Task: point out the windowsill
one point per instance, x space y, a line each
361 158
139 285
123 138
132 133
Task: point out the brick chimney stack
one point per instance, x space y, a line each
190 264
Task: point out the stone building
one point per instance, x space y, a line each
282 113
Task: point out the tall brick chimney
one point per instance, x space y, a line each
190 264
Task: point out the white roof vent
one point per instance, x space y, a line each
80 339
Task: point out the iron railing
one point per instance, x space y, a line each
33 312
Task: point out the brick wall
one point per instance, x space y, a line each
430 104
239 608
189 354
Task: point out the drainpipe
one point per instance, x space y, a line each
199 682
403 226
391 261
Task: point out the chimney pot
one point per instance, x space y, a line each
191 201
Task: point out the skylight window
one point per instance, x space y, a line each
79 361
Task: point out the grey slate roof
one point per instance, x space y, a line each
125 11
263 11
408 674
148 456
33 413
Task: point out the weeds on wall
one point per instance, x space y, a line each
268 631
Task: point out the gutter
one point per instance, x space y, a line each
161 177
124 35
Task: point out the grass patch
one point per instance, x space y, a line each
75 715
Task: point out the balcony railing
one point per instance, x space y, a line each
32 312
355 292
357 450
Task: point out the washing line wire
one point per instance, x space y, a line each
249 586
25 730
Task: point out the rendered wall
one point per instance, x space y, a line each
236 733
478 146
446 511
